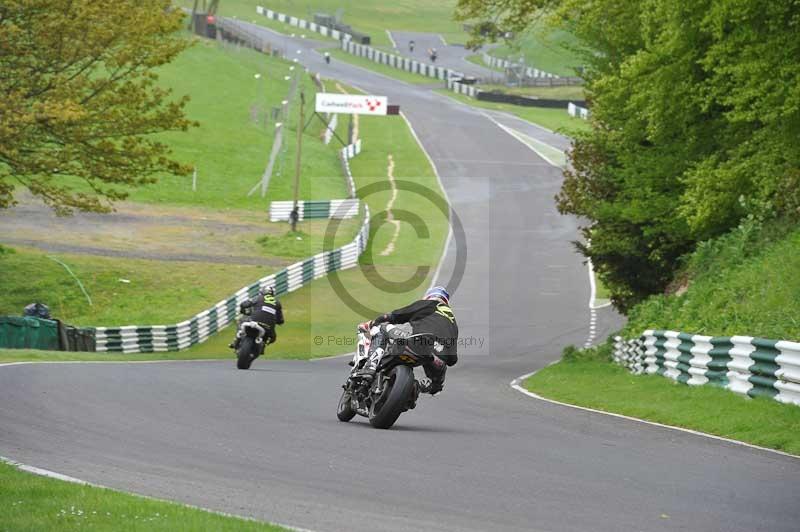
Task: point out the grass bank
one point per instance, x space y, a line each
545 48
32 502
553 119
589 378
233 91
746 282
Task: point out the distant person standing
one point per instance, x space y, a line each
327 58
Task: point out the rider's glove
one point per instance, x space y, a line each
366 326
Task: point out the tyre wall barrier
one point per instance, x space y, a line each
280 211
756 367
195 330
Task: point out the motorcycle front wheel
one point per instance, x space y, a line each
345 411
395 398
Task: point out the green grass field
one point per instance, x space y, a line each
544 48
30 502
590 379
553 119
231 147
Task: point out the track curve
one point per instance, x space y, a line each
266 443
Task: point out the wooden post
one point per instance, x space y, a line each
298 157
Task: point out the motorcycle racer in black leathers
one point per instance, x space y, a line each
264 309
431 315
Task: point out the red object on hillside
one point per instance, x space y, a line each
211 19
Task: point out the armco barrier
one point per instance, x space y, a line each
152 338
280 211
743 364
399 62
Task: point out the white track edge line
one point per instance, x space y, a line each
515 384
66 478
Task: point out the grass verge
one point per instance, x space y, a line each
553 119
380 68
588 378
32 502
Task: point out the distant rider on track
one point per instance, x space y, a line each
431 315
264 309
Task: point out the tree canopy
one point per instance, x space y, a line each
80 102
695 124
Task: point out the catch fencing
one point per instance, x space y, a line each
756 367
157 338
280 211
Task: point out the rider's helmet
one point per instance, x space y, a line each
268 291
439 293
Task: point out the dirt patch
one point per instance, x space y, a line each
142 231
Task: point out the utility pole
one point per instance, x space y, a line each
300 125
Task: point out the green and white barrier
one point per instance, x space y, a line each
197 329
280 211
462 88
399 62
496 62
303 24
756 367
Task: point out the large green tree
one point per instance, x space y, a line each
695 124
80 104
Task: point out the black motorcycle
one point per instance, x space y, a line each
394 389
251 343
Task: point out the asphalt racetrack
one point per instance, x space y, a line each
481 456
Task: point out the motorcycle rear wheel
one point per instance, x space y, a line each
395 398
244 355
